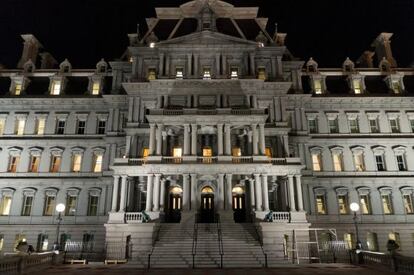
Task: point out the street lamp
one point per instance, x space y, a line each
59 208
355 208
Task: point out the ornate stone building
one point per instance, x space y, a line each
206 113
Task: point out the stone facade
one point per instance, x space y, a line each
206 121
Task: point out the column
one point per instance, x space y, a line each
193 192
161 65
265 190
248 103
162 195
254 103
165 101
227 131
186 139
252 64
196 72
194 139
229 189
291 194
224 64
221 191
159 139
122 203
128 146
151 139
217 65
156 195
286 145
299 190
186 192
220 139
252 199
167 66
115 194
255 140
262 140
189 65
148 205
258 192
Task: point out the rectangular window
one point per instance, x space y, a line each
97 165
206 73
17 89
313 126
268 152
70 209
353 126
372 241
365 204
101 127
373 125
349 240
96 88
20 125
333 126
320 204
316 162
408 203
2 126
318 86
395 237
49 206
40 126
395 127
359 162
60 126
87 242
357 86
1 242
34 164
152 74
386 204
177 152
55 164
93 206
236 152
76 162
395 86
80 130
343 204
13 164
145 153
380 162
412 125
401 163
42 242
179 73
234 73
27 205
337 162
261 74
5 205
56 87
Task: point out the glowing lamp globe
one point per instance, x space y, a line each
60 207
354 206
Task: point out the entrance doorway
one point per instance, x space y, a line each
207 205
239 204
175 204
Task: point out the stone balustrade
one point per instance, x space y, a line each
134 217
18 264
280 217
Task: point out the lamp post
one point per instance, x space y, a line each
355 208
59 208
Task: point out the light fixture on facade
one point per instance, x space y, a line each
152 45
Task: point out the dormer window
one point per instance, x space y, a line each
206 73
152 74
395 83
357 86
179 73
317 83
311 66
96 88
65 67
17 89
318 86
234 73
56 87
395 86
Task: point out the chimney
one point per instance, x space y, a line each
382 45
47 61
366 60
31 48
133 39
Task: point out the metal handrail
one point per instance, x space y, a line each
261 245
220 239
157 236
195 237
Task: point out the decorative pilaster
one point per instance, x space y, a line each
162 195
229 189
299 191
186 192
227 131
251 189
193 192
115 193
194 139
255 140
152 139
262 140
221 191
159 139
220 139
186 139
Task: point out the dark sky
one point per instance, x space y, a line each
86 30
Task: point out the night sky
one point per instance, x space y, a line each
86 30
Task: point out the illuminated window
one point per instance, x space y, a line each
179 73
408 203
372 241
207 154
34 164
268 152
320 204
395 127
333 125
365 204
40 126
101 127
317 83
206 73
394 236
17 89
76 162
177 154
313 126
380 161
386 204
236 152
234 73
395 86
337 161
353 126
261 74
2 125
19 238
359 162
27 205
13 163
316 162
49 205
343 204
357 86
55 164
20 125
5 205
145 152
42 242
93 205
71 202
373 125
349 240
60 126
56 87
96 88
402 166
97 165
152 74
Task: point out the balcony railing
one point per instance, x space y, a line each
278 161
172 160
242 159
138 162
280 217
209 111
207 160
134 217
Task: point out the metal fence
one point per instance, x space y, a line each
87 251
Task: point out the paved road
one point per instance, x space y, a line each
294 270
